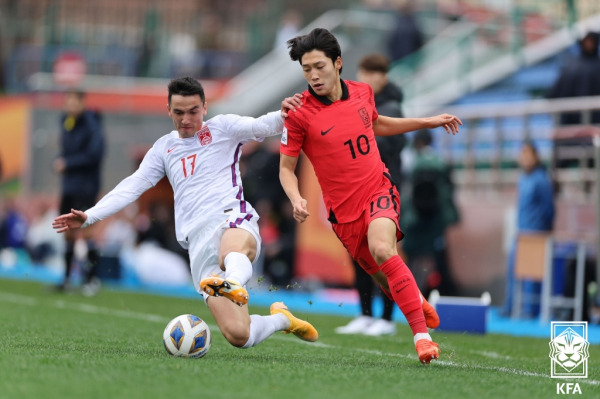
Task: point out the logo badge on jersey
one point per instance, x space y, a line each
284 136
364 115
204 136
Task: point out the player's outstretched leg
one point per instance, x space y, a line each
432 320
427 350
300 328
230 289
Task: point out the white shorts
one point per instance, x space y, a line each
205 241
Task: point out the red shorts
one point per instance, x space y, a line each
384 203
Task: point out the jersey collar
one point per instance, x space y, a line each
327 101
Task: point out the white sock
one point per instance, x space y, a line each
419 336
238 267
262 327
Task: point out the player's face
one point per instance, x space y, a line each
527 159
187 113
322 74
73 104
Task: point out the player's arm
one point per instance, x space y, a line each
386 126
126 192
267 125
289 182
69 221
150 171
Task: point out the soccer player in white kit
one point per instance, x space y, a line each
212 219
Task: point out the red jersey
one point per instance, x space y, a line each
338 139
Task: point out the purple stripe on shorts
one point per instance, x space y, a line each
239 221
236 156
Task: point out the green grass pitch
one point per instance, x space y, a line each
110 346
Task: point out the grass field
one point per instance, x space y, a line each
110 346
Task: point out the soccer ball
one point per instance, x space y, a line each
187 336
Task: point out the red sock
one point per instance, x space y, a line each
405 292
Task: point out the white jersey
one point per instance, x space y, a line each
203 171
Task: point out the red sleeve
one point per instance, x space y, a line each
372 103
292 137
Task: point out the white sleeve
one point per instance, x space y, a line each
149 173
126 192
248 128
267 125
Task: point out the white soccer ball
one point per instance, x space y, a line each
187 336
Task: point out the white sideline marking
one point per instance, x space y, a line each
93 309
491 355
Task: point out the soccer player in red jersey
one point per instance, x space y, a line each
336 128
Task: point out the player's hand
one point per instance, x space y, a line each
449 122
300 210
69 221
291 104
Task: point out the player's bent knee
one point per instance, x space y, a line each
381 252
237 240
236 336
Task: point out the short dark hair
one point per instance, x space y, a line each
318 39
375 63
186 86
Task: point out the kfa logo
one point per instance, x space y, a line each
567 388
204 136
569 349
364 116
569 354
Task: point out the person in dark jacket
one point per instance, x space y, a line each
373 70
79 164
426 217
406 36
580 77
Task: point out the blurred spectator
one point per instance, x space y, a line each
146 57
580 77
44 246
152 264
182 47
13 232
119 233
138 247
427 215
406 36
373 70
290 25
276 224
79 164
13 225
158 227
118 237
535 213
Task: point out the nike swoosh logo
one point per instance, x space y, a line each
397 291
324 132
170 149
